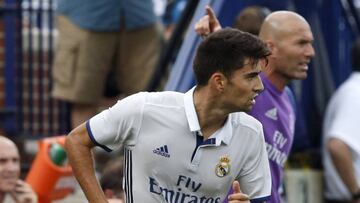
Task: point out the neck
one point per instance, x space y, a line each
276 79
210 116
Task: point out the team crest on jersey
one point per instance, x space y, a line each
223 168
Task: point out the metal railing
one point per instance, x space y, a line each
30 38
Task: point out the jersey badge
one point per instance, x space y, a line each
223 168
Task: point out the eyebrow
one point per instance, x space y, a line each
252 74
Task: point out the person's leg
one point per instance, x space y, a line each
66 56
96 60
138 56
85 64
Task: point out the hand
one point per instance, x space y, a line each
237 196
208 23
23 193
115 201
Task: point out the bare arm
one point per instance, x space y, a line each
208 23
78 147
342 159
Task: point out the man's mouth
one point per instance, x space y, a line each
304 66
252 101
9 178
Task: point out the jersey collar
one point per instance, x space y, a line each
225 133
222 135
191 115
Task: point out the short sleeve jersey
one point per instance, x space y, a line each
274 110
166 157
341 121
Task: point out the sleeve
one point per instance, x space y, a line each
345 125
255 178
119 125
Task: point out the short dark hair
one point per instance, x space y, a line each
112 177
226 51
251 18
356 55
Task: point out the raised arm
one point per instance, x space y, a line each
78 147
208 23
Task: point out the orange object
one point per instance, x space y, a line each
49 181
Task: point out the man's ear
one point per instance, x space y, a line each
272 48
218 81
109 193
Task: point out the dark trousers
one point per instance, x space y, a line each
337 201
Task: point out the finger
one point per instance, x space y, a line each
24 193
23 188
210 12
20 185
238 197
214 23
202 26
237 194
236 187
201 22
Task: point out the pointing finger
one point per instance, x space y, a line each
213 21
210 12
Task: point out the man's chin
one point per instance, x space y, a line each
248 109
300 76
8 186
7 189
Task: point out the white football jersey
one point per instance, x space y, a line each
166 158
341 121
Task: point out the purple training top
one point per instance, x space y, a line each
274 110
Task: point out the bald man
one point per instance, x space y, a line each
289 38
11 187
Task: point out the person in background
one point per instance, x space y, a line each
94 38
172 15
111 181
185 146
11 186
341 139
251 18
289 37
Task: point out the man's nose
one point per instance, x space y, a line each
310 51
259 87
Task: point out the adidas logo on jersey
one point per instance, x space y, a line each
162 151
272 113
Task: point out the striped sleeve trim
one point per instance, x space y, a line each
93 138
128 176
